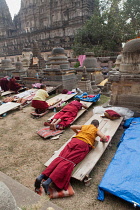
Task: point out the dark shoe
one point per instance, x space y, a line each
46 184
38 181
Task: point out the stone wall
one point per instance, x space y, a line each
126 93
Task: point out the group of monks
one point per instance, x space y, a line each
8 83
60 170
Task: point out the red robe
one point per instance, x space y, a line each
4 83
61 168
13 85
68 114
40 105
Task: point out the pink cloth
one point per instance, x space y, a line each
81 59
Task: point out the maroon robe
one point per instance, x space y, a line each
40 105
13 85
61 168
68 114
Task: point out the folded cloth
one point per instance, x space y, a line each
112 113
107 139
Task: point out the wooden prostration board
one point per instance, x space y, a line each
108 127
8 92
64 97
8 106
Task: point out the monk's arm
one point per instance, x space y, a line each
101 135
85 106
76 128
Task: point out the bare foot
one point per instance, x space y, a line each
54 126
51 127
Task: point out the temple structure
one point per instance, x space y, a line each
51 23
125 83
6 25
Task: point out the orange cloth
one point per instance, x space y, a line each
87 134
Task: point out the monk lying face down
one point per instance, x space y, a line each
60 170
63 119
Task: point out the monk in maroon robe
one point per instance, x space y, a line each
64 118
60 169
13 85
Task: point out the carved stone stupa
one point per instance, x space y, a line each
6 68
126 88
93 68
58 70
94 73
20 71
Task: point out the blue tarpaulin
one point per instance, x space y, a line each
122 178
88 98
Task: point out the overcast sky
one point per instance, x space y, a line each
14 6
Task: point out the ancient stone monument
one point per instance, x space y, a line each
118 62
6 25
94 73
58 70
37 64
26 57
49 22
85 84
93 70
6 68
19 71
126 83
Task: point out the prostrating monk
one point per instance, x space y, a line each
63 118
39 100
13 85
60 170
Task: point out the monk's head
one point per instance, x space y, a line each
95 123
43 87
77 99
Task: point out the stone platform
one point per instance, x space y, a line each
25 197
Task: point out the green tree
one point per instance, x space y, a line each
111 24
131 14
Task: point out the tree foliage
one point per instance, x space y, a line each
111 24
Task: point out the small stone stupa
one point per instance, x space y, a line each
85 84
6 68
26 57
94 72
20 71
126 88
37 64
118 62
58 71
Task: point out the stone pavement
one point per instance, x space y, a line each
25 197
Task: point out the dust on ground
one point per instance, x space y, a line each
23 154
